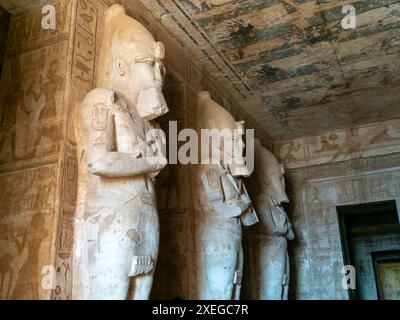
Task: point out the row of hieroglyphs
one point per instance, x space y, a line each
361 142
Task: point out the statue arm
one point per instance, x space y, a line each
263 209
97 122
118 165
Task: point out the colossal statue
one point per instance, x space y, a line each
222 204
120 153
267 190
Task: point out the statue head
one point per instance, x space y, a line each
269 175
226 142
131 63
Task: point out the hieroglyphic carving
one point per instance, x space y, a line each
26 32
32 104
64 242
82 76
367 141
26 215
317 191
32 53
31 107
84 55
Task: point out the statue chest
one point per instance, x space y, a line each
131 135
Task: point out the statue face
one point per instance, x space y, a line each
141 79
274 182
131 64
228 148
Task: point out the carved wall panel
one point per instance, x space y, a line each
361 142
81 81
316 254
32 112
27 199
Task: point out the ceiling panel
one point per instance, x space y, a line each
290 64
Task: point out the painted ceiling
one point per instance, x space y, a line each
290 64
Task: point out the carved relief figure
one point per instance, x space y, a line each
293 147
267 189
26 286
328 143
222 206
116 224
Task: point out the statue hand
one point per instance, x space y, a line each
158 163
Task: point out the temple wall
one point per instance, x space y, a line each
33 105
341 168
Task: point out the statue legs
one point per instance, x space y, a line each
122 252
145 260
274 268
219 259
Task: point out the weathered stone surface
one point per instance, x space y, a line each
116 223
222 206
33 107
267 258
316 191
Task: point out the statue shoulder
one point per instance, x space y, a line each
98 97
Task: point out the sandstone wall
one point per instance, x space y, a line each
33 108
352 166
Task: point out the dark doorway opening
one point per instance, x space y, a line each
387 274
370 235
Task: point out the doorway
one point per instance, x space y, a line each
370 237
